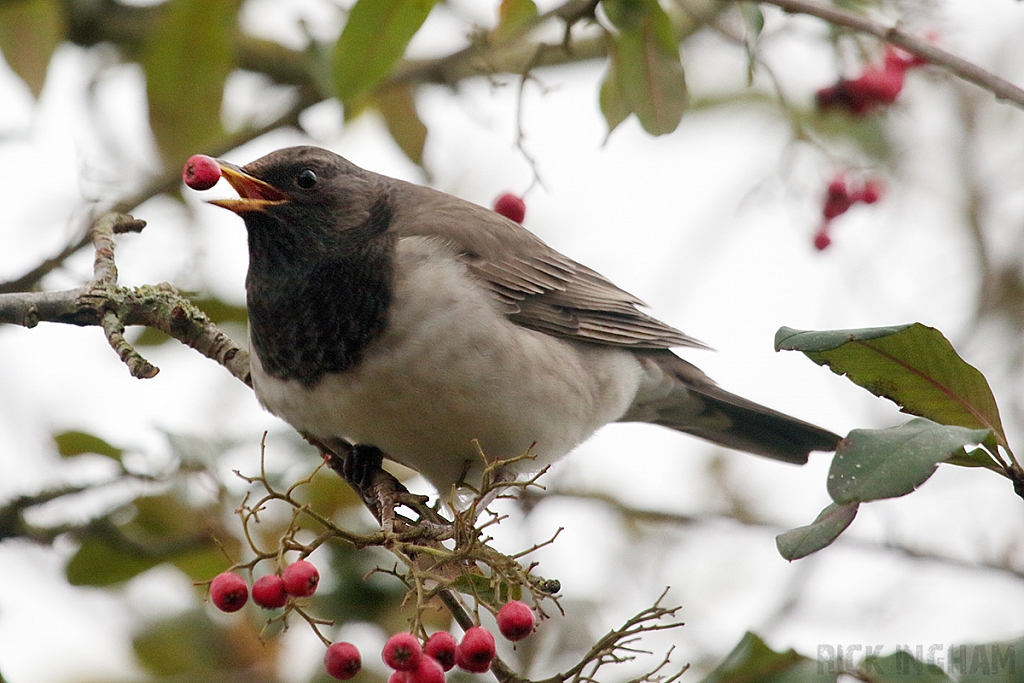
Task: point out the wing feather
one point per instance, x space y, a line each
539 287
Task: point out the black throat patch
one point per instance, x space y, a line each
315 303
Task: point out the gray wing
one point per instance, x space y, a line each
540 288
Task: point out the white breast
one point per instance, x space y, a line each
452 368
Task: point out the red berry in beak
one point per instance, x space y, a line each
201 172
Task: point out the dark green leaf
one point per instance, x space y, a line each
30 30
645 75
801 542
901 667
397 106
513 15
752 661
187 60
912 365
874 464
373 40
73 442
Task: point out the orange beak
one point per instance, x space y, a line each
255 194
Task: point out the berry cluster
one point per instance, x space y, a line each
415 663
875 87
840 196
229 592
510 206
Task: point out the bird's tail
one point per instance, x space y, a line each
685 399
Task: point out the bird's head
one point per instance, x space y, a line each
303 187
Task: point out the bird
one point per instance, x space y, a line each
445 336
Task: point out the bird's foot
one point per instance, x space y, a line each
360 466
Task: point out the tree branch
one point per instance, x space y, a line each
893 34
102 302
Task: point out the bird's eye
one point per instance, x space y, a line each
306 178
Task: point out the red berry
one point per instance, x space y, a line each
427 671
402 652
441 647
872 192
300 579
822 240
510 206
228 592
268 592
879 87
515 620
476 651
342 661
837 186
201 172
400 677
835 207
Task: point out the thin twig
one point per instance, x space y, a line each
895 35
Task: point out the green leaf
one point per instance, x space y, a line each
73 442
900 667
645 75
869 133
191 647
187 60
978 457
874 464
30 30
826 527
754 20
397 107
373 40
912 365
513 16
752 661
483 589
102 562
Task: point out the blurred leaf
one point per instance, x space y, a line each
101 562
1000 662
754 20
327 494
73 442
397 107
220 311
30 30
163 529
826 527
901 667
645 75
912 365
358 595
187 60
192 647
374 38
513 15
869 133
873 464
752 661
150 336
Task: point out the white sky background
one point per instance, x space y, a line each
711 225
